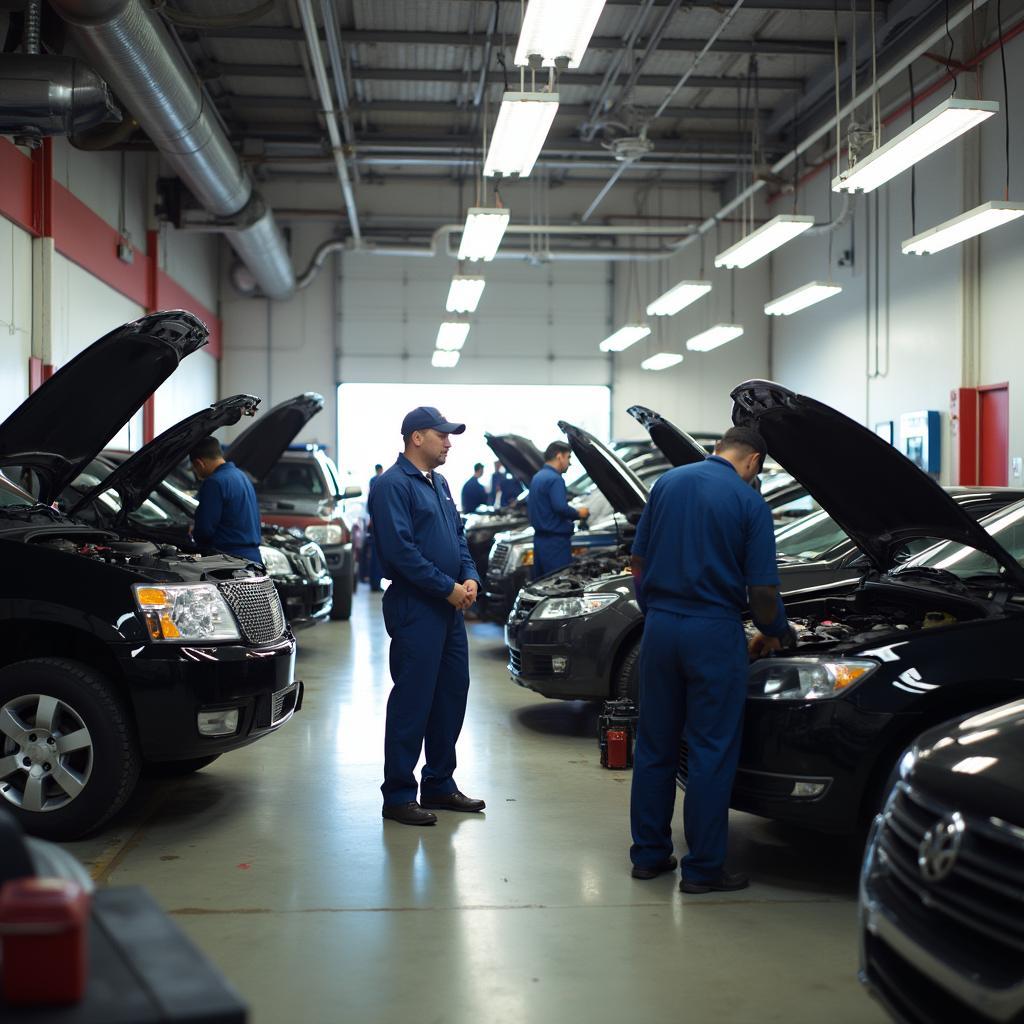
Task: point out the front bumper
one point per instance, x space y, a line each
170 684
305 602
805 762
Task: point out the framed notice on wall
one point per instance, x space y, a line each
885 431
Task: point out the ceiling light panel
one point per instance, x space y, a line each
801 298
662 361
464 294
948 121
624 337
678 297
767 238
524 121
557 31
485 226
959 229
713 337
445 360
451 335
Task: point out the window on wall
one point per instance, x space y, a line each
370 418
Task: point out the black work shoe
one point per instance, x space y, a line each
408 814
453 802
726 882
669 864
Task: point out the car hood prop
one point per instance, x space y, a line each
676 445
518 454
624 490
263 442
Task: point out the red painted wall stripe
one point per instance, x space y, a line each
170 295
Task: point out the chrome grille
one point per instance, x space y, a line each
313 560
981 900
515 661
498 560
257 608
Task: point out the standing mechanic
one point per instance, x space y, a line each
551 515
474 494
423 551
704 549
228 516
505 488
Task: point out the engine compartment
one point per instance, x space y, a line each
577 576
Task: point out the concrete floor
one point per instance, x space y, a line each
275 860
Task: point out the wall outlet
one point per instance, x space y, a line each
1017 467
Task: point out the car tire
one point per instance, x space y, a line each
626 683
177 769
342 607
42 702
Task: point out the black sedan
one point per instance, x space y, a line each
942 888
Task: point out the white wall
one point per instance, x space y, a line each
15 315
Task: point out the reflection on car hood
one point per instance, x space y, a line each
62 425
136 477
676 445
518 454
875 493
261 444
613 478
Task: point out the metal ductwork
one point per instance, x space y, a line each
132 49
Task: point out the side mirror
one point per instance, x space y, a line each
352 491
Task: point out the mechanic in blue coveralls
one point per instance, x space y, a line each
704 551
551 515
423 551
228 515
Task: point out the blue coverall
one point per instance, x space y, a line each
551 517
474 494
228 516
505 488
705 536
418 533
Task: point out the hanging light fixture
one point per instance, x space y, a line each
713 337
464 293
802 297
485 226
451 335
557 32
625 336
948 121
678 297
445 360
767 238
662 361
524 121
951 232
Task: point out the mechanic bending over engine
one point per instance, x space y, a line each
551 515
228 516
704 549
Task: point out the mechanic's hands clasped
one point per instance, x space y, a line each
463 595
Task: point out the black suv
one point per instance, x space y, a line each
912 644
114 649
942 888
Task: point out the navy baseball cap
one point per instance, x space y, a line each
426 417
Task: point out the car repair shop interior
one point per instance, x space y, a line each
594 232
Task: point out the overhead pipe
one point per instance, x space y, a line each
824 130
133 50
333 38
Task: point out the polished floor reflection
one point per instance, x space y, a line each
276 861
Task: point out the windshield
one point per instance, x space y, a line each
154 511
299 479
808 539
774 481
1006 526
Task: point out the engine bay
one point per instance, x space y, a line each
577 576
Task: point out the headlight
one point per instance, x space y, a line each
805 678
185 611
572 607
330 534
276 562
522 554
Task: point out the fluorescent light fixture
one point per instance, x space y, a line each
464 294
482 234
451 335
959 229
524 121
678 297
800 298
624 337
557 31
767 238
948 121
662 361
713 337
445 360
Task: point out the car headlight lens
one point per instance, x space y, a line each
522 555
572 607
185 612
805 678
275 562
329 534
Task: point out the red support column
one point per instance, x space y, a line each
42 189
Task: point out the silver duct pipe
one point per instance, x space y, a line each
131 48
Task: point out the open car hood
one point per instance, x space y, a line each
613 478
873 491
62 425
519 455
262 443
676 445
136 477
